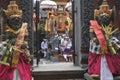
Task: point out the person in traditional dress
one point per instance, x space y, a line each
55 44
44 47
67 52
62 43
103 60
15 59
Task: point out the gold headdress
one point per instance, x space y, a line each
13 10
104 8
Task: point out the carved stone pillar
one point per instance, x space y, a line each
83 13
88 13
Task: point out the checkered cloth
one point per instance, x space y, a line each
3 49
115 41
95 48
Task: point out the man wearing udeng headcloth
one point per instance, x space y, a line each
14 63
103 58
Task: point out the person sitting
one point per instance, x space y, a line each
62 43
44 47
67 52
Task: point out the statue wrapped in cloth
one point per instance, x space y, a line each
51 25
104 60
14 51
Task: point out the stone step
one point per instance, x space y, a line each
58 71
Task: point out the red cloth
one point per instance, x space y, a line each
94 61
116 63
6 72
24 69
99 33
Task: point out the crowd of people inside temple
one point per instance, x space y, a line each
60 44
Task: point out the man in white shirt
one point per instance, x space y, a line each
62 43
44 47
67 52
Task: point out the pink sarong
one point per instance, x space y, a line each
6 72
94 63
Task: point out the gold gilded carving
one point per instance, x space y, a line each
8 29
104 8
18 44
13 10
16 31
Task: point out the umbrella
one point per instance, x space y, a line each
48 4
68 6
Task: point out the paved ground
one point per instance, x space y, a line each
56 66
47 66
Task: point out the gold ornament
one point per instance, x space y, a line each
13 10
8 29
108 30
104 8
